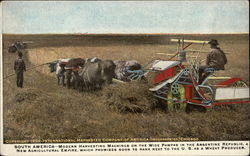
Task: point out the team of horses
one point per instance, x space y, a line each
91 73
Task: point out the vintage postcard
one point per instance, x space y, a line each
125 77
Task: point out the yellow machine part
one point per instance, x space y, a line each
177 106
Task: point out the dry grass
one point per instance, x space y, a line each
43 110
121 99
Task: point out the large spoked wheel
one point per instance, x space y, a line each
240 83
176 95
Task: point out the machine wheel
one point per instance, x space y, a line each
176 94
239 83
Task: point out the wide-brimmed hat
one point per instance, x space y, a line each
20 54
213 42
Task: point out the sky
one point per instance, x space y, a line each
37 17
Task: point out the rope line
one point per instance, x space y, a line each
26 70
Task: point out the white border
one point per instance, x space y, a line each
8 149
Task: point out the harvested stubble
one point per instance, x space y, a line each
129 97
44 110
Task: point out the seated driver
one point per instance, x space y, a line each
215 59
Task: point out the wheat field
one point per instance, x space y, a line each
43 110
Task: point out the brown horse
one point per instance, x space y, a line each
95 74
73 64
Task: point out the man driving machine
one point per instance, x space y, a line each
215 59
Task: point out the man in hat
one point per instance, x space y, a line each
215 59
19 67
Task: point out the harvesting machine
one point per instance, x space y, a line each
177 81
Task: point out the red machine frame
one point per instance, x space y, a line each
193 88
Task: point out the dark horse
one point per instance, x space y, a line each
95 74
73 64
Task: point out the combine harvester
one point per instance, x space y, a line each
176 82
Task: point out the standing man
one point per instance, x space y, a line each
19 68
215 59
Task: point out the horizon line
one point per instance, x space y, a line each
126 33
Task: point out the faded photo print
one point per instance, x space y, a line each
126 71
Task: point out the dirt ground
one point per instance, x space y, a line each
43 110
